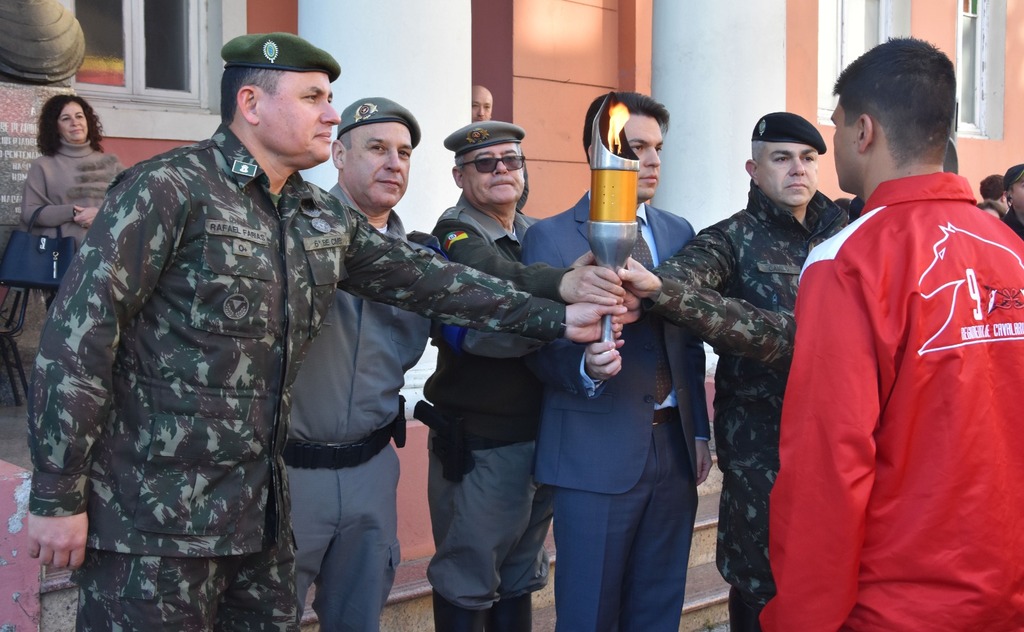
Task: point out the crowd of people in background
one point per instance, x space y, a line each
217 390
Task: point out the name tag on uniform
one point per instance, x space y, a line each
234 229
778 268
333 240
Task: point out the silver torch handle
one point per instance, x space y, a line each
611 243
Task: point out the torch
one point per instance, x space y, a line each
613 180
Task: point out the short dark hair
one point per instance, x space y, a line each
991 188
48 134
639 104
909 87
237 76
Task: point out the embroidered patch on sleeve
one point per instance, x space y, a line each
453 237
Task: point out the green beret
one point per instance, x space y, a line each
785 127
278 51
378 110
483 134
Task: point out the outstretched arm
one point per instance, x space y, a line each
688 289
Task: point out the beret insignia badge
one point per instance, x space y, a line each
270 51
365 111
477 135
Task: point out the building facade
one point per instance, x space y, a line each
152 70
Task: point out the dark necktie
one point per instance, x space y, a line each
662 374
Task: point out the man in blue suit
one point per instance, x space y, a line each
624 429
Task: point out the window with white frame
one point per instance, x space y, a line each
980 65
148 50
969 55
143 56
846 30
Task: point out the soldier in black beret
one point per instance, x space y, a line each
735 286
1013 184
785 127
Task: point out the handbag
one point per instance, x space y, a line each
36 261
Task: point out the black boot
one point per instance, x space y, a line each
511 615
742 616
450 618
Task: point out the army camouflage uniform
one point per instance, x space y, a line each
735 285
161 390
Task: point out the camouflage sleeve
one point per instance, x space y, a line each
118 266
392 272
693 284
476 252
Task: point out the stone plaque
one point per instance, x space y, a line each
20 105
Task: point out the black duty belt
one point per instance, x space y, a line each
335 456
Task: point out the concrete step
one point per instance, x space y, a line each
409 606
705 606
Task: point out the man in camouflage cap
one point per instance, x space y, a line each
735 286
163 384
489 518
342 468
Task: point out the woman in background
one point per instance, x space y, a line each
69 180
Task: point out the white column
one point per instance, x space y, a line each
717 66
413 52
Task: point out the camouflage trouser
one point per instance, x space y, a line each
743 534
125 592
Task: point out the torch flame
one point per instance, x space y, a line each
618 114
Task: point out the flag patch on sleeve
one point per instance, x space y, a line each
453 237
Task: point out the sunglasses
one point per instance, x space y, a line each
512 162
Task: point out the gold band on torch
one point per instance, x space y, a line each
613 184
613 195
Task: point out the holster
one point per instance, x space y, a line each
448 443
398 432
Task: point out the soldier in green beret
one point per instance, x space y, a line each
162 389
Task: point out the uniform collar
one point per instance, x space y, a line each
240 163
818 209
491 226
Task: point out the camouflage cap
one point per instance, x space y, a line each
378 110
1013 174
786 127
278 51
483 134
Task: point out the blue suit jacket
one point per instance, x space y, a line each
600 444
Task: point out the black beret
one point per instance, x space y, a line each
378 110
278 51
483 134
1012 176
785 127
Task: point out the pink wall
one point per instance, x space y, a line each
564 54
19 579
268 16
